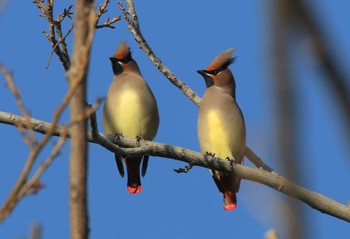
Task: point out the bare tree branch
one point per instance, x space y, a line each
33 184
108 23
17 193
323 51
131 147
134 27
28 135
59 46
85 21
256 160
61 41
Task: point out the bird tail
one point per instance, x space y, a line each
119 162
228 184
133 169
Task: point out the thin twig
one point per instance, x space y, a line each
12 198
28 135
108 23
256 160
66 13
47 12
61 41
34 180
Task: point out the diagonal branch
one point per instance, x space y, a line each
28 135
259 175
134 27
323 51
33 184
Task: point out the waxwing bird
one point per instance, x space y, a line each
221 127
130 110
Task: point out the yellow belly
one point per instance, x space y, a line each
124 115
219 139
129 114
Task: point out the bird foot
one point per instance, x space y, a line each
186 169
138 140
118 136
232 161
210 154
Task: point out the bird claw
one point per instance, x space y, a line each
118 136
186 169
232 161
210 154
138 140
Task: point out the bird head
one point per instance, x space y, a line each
217 73
122 60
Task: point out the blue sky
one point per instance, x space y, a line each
186 36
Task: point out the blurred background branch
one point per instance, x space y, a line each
290 18
304 16
291 214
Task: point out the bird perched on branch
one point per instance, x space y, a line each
221 127
130 110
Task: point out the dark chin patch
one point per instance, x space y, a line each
208 81
207 78
116 66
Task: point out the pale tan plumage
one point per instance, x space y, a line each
130 110
221 127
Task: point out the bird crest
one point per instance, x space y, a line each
221 61
123 51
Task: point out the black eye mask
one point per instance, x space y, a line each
117 67
124 60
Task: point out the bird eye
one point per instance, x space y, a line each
214 72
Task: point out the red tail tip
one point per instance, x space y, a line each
230 207
136 190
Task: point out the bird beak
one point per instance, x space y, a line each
113 59
202 72
208 80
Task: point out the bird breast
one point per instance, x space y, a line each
131 110
221 128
